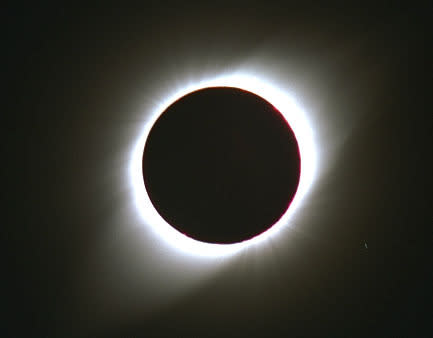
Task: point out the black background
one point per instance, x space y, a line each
76 81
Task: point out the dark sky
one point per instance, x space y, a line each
80 83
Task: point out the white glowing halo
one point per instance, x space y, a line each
298 122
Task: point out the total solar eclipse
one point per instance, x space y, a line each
221 165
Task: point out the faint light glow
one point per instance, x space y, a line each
297 120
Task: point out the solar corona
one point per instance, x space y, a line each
243 127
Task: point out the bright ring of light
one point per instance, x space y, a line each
297 121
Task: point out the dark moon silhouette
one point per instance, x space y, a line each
221 165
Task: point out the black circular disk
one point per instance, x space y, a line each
221 165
